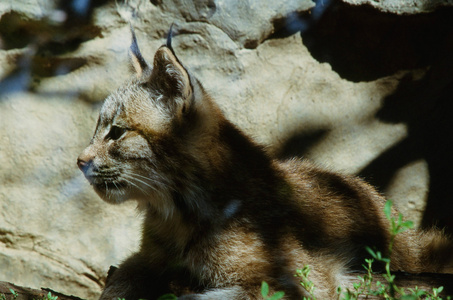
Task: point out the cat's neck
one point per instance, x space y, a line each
231 168
212 196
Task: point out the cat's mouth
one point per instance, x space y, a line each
106 183
111 190
117 186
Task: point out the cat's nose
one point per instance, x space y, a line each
85 159
82 164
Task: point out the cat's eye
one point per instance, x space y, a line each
115 133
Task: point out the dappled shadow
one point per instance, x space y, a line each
363 44
43 42
52 36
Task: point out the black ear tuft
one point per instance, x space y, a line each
137 60
169 37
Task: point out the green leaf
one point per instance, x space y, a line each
277 296
400 219
347 296
50 297
371 251
385 259
264 289
408 224
379 256
388 209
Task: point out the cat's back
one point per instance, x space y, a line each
335 209
307 177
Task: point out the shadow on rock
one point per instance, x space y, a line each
364 44
426 107
299 144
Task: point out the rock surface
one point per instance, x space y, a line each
404 7
348 86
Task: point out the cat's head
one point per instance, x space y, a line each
148 131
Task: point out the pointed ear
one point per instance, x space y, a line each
169 76
137 61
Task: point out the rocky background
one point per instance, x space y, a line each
359 86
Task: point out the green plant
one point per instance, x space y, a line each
363 287
305 282
13 292
265 293
388 290
49 296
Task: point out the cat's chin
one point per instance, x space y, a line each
112 196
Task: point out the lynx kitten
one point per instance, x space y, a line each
221 215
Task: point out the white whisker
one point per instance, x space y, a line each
137 186
132 178
117 188
147 181
152 187
107 190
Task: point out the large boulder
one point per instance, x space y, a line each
354 88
